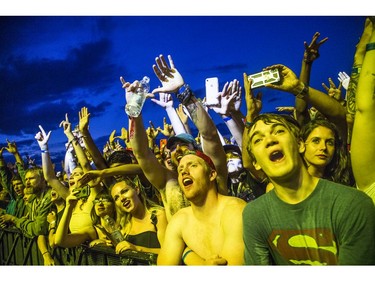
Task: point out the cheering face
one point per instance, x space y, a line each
166 156
73 179
194 176
126 197
275 149
320 147
178 150
54 195
33 180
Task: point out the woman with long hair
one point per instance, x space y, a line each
142 221
325 154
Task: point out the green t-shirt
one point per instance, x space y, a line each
334 225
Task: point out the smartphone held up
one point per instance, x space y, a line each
212 91
263 78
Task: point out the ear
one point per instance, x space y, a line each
213 175
301 146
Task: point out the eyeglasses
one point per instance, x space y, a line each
101 200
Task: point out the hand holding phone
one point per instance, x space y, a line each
263 78
84 192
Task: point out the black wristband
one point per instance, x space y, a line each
370 46
184 94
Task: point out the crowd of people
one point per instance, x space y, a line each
297 187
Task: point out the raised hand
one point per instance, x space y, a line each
289 81
151 132
165 100
332 91
112 138
83 119
253 103
182 113
344 79
42 138
66 125
125 137
225 97
169 76
12 147
312 50
167 129
237 92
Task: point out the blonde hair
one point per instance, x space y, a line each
124 218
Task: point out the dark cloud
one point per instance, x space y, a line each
49 84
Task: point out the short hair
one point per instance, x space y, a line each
16 177
120 156
269 118
37 170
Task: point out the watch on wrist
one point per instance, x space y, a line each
304 92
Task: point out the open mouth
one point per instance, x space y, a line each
187 181
276 156
126 204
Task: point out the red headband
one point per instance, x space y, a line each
206 159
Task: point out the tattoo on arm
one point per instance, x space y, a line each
352 89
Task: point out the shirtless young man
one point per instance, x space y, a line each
209 231
163 179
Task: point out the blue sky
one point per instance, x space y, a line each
52 65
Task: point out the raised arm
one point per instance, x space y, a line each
155 172
310 54
362 145
152 133
229 97
328 106
12 148
62 236
167 130
183 115
73 140
253 108
166 101
48 171
173 82
93 150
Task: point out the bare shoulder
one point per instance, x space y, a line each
233 204
181 216
161 214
